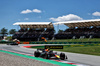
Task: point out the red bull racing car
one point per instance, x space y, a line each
49 54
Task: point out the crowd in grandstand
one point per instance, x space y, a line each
78 32
33 34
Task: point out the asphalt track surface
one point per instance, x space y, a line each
13 60
86 60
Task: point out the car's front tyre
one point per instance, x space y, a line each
62 56
36 53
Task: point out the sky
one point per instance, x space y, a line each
12 11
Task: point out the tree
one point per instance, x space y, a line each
4 31
60 31
12 31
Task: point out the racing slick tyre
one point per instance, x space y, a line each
62 56
36 53
47 56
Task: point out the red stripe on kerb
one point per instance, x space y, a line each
57 60
30 46
72 63
27 46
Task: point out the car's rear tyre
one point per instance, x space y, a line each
62 56
36 53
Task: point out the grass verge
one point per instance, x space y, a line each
91 50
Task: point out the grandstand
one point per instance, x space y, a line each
33 31
79 29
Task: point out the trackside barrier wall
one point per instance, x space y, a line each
3 42
64 42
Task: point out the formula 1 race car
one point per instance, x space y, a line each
49 54
14 43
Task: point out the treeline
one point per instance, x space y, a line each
5 32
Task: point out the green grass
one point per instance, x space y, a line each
91 50
70 40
